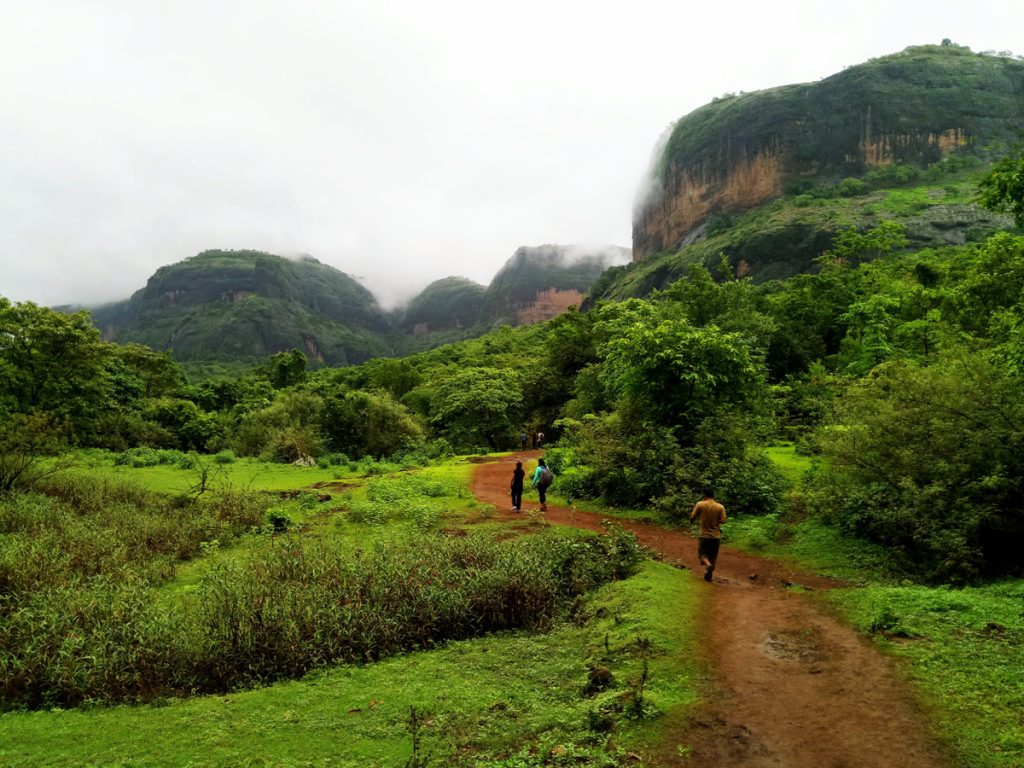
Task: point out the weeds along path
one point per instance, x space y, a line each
789 686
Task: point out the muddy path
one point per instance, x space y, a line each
789 685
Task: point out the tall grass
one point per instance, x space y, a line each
75 529
296 605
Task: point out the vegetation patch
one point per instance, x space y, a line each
510 699
963 648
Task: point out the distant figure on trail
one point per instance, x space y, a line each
522 440
517 484
542 478
540 439
712 515
533 440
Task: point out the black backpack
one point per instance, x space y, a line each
546 476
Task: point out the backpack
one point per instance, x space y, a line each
546 476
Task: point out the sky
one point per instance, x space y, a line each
400 141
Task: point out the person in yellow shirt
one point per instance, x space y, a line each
712 515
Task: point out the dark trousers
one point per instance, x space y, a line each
708 548
517 498
542 492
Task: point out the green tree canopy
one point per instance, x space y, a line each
1002 188
371 423
475 405
52 363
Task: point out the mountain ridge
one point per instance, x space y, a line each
246 304
913 109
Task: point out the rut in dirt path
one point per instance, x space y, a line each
792 686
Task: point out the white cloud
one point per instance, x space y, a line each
398 141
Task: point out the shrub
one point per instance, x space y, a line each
225 457
928 463
296 606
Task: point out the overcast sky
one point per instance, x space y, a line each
398 140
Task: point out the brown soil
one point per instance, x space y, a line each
789 685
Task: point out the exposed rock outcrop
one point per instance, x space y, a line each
916 107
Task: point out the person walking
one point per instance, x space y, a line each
542 477
522 440
518 475
712 515
540 439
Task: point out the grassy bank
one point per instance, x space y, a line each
962 648
513 699
517 697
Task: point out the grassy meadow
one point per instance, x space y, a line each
172 627
527 650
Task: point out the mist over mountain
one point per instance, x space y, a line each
238 305
769 179
245 305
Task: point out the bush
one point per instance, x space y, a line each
578 483
76 529
851 187
152 457
225 457
295 606
928 463
332 460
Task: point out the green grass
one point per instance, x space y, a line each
791 464
331 519
250 474
487 701
964 648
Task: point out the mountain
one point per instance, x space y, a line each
221 306
447 304
926 117
538 283
244 305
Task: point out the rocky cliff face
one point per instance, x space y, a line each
916 107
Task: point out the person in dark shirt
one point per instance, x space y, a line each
517 486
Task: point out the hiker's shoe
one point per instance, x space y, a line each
543 507
708 572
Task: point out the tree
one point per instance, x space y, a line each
53 363
852 247
160 375
287 429
677 374
189 428
25 441
478 404
372 423
930 462
398 377
870 323
286 369
1002 188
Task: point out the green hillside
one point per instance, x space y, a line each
783 238
882 122
531 271
245 305
452 302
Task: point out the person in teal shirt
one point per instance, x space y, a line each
542 477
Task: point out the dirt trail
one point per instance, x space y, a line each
792 686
